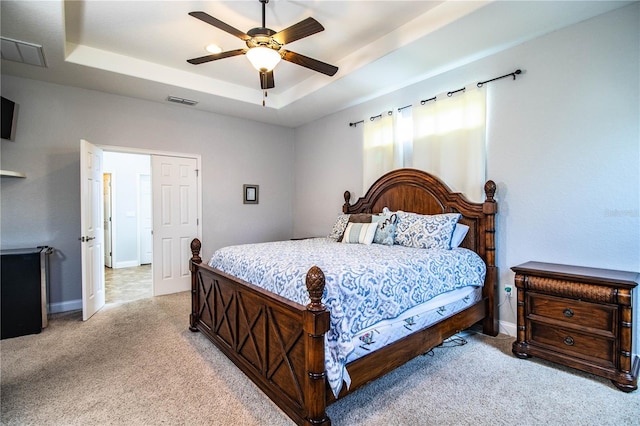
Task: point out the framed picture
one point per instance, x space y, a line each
250 194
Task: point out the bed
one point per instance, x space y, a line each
282 345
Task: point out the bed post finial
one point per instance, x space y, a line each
345 206
196 245
490 190
315 287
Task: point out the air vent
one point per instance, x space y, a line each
182 101
21 51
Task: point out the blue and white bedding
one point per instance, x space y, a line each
414 319
365 284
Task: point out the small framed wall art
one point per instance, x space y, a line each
250 193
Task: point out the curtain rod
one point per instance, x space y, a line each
449 94
480 83
370 118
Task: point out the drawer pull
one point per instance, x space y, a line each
568 341
568 313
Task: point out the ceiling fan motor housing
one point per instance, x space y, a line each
261 37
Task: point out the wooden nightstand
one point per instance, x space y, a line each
579 317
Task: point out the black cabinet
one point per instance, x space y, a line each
23 291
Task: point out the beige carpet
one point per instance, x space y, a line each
138 364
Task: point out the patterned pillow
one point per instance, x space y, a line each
425 231
386 231
339 227
359 233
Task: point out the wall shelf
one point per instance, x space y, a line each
9 173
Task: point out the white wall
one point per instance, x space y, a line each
563 148
44 208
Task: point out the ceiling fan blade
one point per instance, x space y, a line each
308 62
216 56
205 17
266 80
297 31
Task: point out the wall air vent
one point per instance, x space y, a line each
182 101
20 51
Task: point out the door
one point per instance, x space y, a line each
106 187
92 234
145 227
175 221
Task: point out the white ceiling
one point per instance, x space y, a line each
140 48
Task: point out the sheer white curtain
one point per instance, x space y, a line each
449 140
379 154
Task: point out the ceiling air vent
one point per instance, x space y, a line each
20 51
182 101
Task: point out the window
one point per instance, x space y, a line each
445 137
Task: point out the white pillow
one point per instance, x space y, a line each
359 233
459 232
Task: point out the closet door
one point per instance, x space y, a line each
175 221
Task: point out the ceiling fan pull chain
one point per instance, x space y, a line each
264 96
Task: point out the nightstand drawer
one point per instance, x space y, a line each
570 311
596 349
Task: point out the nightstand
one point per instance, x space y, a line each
579 317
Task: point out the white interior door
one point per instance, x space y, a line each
92 236
175 221
145 225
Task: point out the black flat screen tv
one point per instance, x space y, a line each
8 125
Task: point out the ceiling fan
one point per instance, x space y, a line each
264 46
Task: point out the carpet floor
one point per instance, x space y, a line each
138 364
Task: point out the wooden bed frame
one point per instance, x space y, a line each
279 344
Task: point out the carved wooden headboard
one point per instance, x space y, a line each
416 191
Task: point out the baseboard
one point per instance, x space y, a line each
508 328
126 264
70 305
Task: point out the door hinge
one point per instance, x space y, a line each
197 171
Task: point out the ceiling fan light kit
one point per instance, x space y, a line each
263 58
264 46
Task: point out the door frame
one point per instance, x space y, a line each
198 158
140 207
108 236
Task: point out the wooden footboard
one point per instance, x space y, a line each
277 343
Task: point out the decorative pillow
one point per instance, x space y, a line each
459 232
357 218
386 230
425 231
339 227
359 233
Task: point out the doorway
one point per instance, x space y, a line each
127 227
176 207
